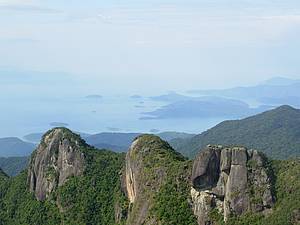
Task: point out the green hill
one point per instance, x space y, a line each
275 132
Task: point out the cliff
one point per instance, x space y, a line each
232 181
57 158
156 175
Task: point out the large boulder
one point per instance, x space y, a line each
57 158
231 180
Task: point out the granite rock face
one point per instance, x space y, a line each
231 180
138 184
57 158
147 168
132 173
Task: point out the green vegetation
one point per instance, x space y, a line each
12 166
275 132
170 203
18 205
91 199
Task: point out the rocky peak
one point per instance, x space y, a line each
146 170
231 180
57 158
143 146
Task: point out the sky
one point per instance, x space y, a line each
53 53
151 46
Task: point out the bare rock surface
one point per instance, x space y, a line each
57 158
140 182
231 180
148 165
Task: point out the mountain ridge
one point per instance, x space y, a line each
275 132
13 146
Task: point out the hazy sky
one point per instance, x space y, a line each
135 46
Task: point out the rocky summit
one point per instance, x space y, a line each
232 181
57 158
148 168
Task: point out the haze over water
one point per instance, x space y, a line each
54 53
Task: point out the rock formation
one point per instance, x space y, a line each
231 181
138 182
147 166
57 158
132 173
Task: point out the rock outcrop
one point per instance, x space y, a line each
132 173
57 158
139 184
147 167
230 180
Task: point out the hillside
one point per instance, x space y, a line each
69 182
275 132
13 165
120 142
12 146
3 175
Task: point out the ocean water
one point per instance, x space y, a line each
108 114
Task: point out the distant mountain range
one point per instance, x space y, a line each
275 132
281 89
234 102
12 146
116 141
120 142
12 166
